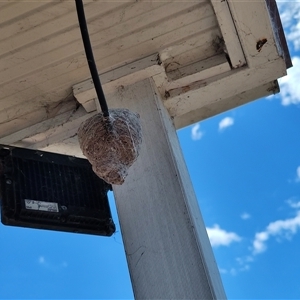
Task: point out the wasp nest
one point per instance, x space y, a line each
111 144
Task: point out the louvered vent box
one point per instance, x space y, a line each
52 191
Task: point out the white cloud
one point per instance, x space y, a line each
243 264
245 268
289 85
290 18
64 264
244 260
220 237
286 228
294 35
259 243
196 132
293 204
41 260
226 122
51 266
298 174
233 271
279 229
245 216
223 271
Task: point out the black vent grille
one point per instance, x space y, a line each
53 191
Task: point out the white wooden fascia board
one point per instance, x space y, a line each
254 27
125 75
221 88
67 146
184 100
56 134
223 105
229 34
44 133
189 49
187 75
90 105
37 128
35 112
201 70
85 92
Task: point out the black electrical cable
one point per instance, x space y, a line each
90 57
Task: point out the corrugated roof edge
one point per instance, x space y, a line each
279 32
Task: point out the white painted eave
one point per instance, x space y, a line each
240 62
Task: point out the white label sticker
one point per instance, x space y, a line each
41 205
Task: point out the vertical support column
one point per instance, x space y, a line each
167 248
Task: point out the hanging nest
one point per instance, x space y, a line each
111 144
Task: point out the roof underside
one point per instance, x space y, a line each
178 43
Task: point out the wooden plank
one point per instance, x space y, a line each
148 67
190 49
212 109
18 118
53 84
68 146
117 22
182 101
144 68
255 31
197 71
53 135
61 34
37 18
77 68
36 128
30 94
187 75
15 11
279 32
59 28
113 80
5 4
229 34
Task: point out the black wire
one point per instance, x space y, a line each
90 57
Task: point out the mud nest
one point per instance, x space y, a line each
111 144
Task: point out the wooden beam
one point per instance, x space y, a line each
37 128
232 45
197 71
187 75
67 146
212 109
186 99
183 102
144 68
32 113
279 32
53 135
121 34
255 31
147 67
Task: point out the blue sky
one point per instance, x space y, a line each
245 168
